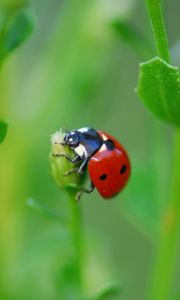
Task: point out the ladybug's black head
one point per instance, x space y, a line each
72 138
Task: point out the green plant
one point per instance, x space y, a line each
16 27
159 89
76 71
72 184
17 23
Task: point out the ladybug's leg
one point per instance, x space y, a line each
75 170
80 170
84 190
82 167
74 160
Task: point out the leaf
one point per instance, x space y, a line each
132 37
19 27
159 89
45 211
110 290
3 130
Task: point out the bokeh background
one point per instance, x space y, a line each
80 68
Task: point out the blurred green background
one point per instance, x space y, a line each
79 69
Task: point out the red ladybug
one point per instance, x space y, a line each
107 161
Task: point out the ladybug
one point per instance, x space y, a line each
107 161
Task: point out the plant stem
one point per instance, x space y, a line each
76 227
159 32
166 254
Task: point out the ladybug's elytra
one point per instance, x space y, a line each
106 159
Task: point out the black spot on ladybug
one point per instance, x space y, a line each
123 169
103 176
110 145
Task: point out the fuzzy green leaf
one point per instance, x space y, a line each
3 130
19 27
159 89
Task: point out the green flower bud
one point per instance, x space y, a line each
60 166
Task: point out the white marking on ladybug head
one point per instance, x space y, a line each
103 148
81 150
104 137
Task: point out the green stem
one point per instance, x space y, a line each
166 254
159 32
76 227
